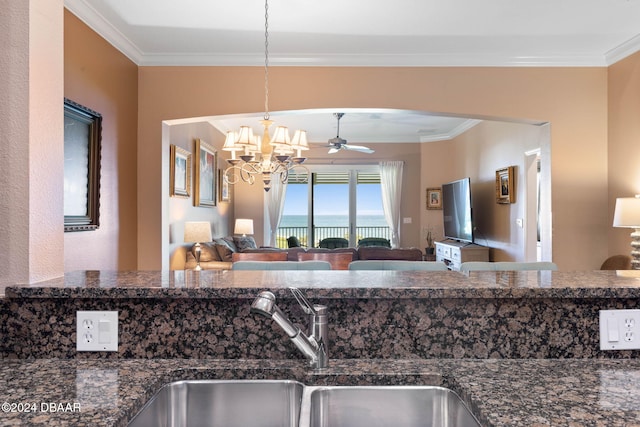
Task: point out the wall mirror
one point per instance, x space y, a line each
82 139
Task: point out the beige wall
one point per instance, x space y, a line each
573 100
478 153
624 143
104 80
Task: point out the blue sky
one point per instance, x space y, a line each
333 200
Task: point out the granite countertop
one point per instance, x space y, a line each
514 393
335 284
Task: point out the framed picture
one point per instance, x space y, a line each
205 175
505 185
179 172
434 198
82 140
224 188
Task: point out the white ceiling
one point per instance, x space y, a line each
367 33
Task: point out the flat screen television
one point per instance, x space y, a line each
456 210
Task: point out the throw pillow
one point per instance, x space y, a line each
228 241
243 243
208 252
224 252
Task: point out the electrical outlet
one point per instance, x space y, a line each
97 331
619 329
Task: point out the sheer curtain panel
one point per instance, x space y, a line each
391 186
275 206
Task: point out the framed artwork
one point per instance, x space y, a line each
224 188
82 141
179 172
505 185
205 175
434 198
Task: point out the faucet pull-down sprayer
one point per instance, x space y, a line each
312 346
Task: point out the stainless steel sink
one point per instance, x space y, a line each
398 406
220 403
282 403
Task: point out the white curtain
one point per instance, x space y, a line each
391 186
275 206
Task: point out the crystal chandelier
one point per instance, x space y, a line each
264 156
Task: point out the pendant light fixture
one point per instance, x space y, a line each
265 157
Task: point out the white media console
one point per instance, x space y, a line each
454 253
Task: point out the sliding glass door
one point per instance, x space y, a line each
344 203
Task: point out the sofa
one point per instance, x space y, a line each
218 255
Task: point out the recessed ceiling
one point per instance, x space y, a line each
368 32
357 125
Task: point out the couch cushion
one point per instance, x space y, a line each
292 253
380 253
352 251
205 265
208 252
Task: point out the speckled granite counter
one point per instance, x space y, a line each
514 393
336 284
520 348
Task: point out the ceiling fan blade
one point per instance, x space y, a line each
334 150
359 148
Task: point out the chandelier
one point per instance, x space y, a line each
265 157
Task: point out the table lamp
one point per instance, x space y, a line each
627 215
243 226
197 231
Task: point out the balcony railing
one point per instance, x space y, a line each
320 233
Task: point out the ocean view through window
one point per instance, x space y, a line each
343 204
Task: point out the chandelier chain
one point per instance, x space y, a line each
266 59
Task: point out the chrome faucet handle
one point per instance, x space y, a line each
307 307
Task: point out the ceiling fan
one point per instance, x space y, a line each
338 143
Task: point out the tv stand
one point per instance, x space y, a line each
453 253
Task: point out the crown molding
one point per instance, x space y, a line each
105 29
458 130
624 50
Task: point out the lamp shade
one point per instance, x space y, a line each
243 226
299 141
197 231
627 213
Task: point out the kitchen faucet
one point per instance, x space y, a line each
312 346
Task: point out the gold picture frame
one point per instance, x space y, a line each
434 198
505 185
179 172
205 174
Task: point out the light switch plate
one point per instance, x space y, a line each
619 329
97 331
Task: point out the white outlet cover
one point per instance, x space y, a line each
619 329
97 331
